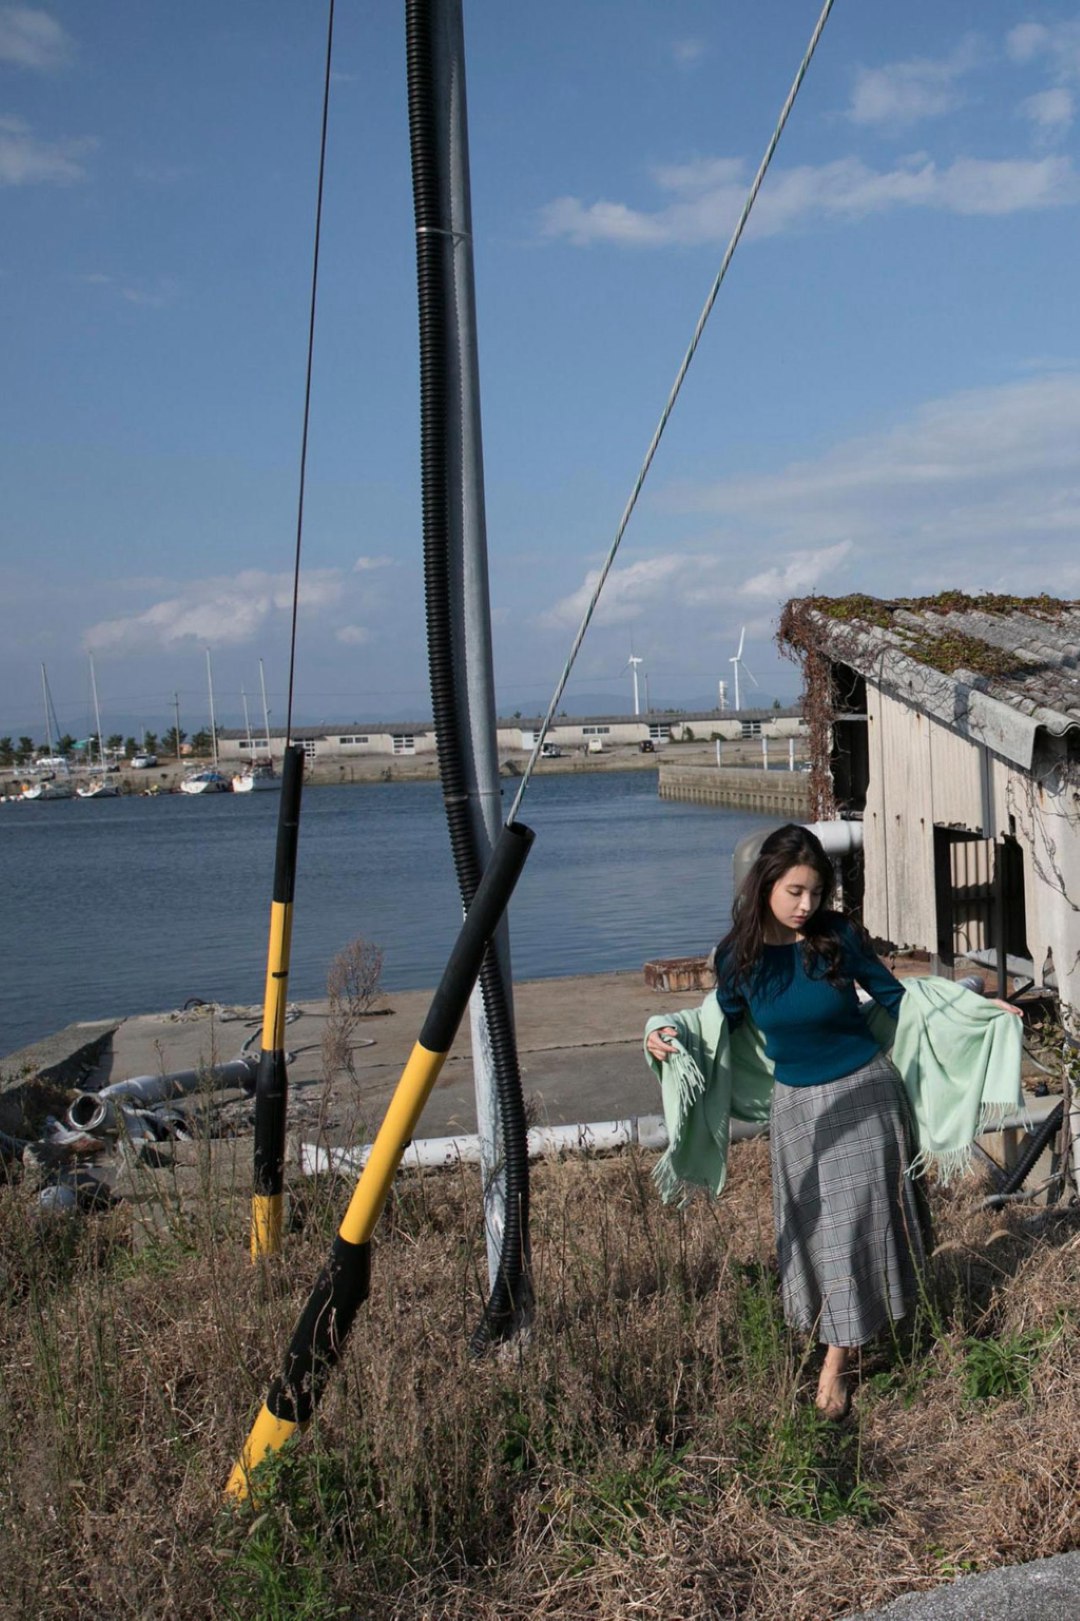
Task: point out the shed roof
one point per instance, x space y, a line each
996 669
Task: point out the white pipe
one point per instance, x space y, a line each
837 838
597 1137
601 1136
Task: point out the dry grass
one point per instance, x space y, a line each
649 1452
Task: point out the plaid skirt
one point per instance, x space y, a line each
851 1228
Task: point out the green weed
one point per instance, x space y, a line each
802 1465
997 1369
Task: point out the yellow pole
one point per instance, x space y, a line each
342 1285
271 1080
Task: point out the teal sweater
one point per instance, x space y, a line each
814 1030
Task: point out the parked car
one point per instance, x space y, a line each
143 761
646 746
551 751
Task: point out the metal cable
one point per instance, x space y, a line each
669 407
307 385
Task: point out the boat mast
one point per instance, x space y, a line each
247 722
266 713
213 723
97 715
45 697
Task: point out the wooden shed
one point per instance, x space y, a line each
951 726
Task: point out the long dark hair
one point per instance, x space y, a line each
740 951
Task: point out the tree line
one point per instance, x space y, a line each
24 750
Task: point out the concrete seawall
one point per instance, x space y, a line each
782 793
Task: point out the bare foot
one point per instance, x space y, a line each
833 1398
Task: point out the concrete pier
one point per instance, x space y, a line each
779 793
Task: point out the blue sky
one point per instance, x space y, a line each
887 397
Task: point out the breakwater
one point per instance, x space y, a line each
776 793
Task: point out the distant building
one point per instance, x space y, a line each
341 743
951 726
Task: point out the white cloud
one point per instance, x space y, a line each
803 572
1057 43
1027 41
703 580
153 295
363 565
27 161
1051 111
601 222
32 39
980 487
629 592
685 52
149 295
710 193
904 93
983 484
353 635
219 612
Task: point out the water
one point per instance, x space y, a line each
133 905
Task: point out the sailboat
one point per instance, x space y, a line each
99 786
50 775
260 774
209 780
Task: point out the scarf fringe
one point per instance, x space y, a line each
687 1085
951 1163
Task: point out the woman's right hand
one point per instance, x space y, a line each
658 1042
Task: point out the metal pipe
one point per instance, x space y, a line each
455 586
91 1110
474 695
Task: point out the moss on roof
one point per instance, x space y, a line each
949 650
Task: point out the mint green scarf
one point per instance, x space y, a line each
958 1056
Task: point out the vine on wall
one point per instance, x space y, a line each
799 639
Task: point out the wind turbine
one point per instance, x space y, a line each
631 664
737 664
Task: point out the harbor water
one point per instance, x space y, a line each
135 905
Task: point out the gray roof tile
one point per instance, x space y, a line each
1046 681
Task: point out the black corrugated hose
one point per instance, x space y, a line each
433 269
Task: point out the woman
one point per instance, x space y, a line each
848 1230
